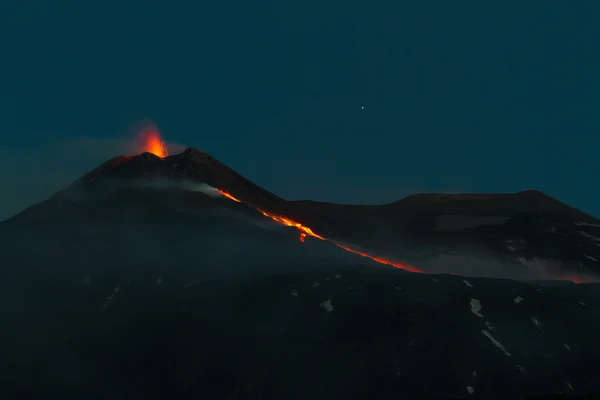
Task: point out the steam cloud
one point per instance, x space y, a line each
204 188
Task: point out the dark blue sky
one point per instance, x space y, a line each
458 96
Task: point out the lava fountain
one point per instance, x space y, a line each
150 141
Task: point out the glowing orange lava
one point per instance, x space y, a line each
306 231
230 197
288 222
151 142
379 259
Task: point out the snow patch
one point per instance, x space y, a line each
535 263
590 258
518 299
470 389
537 323
476 307
109 299
495 342
467 283
111 296
567 347
587 235
511 246
327 305
294 293
581 223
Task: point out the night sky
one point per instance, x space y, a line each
458 96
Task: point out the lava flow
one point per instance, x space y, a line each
306 231
230 197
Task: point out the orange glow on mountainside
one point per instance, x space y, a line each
306 231
573 278
230 197
288 222
379 259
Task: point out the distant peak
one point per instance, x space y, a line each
195 155
532 193
193 150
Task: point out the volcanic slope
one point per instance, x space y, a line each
527 235
140 281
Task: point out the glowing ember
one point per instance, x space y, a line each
151 142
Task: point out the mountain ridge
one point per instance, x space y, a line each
529 232
204 162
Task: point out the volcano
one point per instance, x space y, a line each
173 276
527 235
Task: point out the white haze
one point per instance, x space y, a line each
201 187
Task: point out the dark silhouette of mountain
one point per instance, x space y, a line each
141 281
527 235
